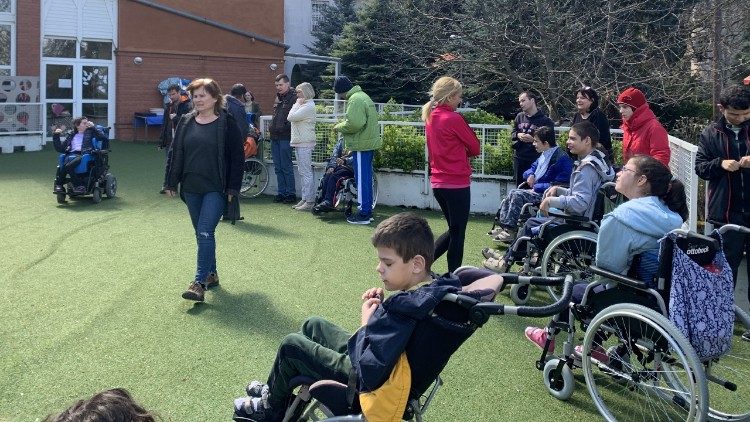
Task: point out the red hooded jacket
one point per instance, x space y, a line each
643 134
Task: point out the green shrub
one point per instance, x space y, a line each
481 117
403 148
498 155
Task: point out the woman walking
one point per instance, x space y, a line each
302 118
450 143
207 160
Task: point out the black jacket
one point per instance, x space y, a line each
86 146
728 192
598 119
231 153
237 109
168 124
280 126
528 124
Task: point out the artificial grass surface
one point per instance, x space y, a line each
91 300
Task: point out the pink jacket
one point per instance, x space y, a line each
450 143
643 134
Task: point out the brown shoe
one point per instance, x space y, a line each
194 292
212 280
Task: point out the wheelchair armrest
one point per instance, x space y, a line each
569 217
332 394
618 278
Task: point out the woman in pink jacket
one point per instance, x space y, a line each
450 143
641 132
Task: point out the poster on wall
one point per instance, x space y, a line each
20 110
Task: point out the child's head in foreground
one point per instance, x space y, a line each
406 248
115 405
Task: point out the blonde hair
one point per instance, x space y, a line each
307 90
212 88
443 88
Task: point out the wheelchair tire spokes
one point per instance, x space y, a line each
254 178
570 253
645 369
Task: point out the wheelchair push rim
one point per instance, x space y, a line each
254 178
569 253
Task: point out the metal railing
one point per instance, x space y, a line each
496 156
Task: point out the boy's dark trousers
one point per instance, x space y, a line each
330 179
317 351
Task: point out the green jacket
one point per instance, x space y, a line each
360 126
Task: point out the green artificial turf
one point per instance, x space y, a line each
91 300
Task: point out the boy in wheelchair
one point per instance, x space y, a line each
76 146
322 350
339 167
656 206
590 172
553 167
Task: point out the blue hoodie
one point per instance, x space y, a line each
633 228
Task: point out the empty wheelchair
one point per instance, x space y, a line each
255 173
86 173
667 348
435 339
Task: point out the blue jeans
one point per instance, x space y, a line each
281 153
205 211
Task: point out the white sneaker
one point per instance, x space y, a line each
299 204
306 206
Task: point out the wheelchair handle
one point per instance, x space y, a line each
481 312
733 227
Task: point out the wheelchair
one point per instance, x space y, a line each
255 173
636 363
92 168
435 339
565 245
345 195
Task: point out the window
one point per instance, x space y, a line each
318 8
58 47
96 50
7 37
6 6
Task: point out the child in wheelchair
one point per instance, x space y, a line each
553 167
339 167
322 350
657 205
77 145
590 172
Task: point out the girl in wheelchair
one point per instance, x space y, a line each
76 144
657 205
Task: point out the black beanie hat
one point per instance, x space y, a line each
342 85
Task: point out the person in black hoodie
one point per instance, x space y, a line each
723 159
587 105
522 137
281 136
207 164
178 106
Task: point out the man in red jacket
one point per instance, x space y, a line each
641 132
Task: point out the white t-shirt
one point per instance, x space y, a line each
76 142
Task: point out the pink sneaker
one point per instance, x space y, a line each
597 353
538 336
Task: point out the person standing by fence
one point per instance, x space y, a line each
281 135
450 143
302 118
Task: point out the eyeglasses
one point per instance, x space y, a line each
627 169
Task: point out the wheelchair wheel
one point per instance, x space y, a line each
652 371
61 198
559 385
570 253
254 178
110 188
96 195
520 293
729 379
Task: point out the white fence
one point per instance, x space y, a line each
490 182
21 127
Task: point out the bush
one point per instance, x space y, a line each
498 155
481 117
403 148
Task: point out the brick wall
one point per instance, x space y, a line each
28 34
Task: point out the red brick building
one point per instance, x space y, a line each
104 58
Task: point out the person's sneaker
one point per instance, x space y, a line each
255 409
212 280
58 189
597 353
291 199
324 206
307 206
278 198
505 236
299 204
746 336
358 218
538 336
256 388
194 292
79 190
496 231
491 253
162 191
496 265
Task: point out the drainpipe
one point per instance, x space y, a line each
211 22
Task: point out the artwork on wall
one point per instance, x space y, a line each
20 110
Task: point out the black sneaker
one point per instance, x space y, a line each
358 218
324 206
194 292
278 198
255 409
291 199
256 388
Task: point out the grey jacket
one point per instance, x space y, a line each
588 175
